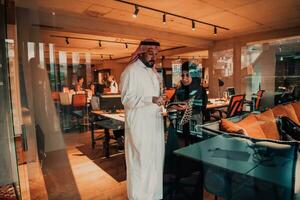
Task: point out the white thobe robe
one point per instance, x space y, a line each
114 87
144 135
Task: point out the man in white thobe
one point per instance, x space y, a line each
144 135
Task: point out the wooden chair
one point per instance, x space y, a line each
79 101
255 103
65 114
56 99
95 106
258 99
79 107
55 96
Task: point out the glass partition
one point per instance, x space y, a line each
222 72
10 130
272 66
51 120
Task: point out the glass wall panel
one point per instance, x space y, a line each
272 66
9 177
222 72
63 67
42 55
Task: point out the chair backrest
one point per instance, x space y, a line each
258 99
55 96
64 98
106 90
169 93
95 103
79 101
235 105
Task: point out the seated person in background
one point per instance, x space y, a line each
113 84
65 89
91 90
79 85
190 87
99 89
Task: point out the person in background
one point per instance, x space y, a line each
105 80
113 85
91 90
65 89
79 85
190 86
144 131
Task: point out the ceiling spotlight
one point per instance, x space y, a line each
101 56
126 45
193 25
100 45
67 40
164 18
164 13
110 56
215 30
136 11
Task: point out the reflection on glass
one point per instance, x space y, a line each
63 67
30 46
250 72
223 62
88 67
176 72
272 66
42 55
75 61
222 72
52 75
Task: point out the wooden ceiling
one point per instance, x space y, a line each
112 20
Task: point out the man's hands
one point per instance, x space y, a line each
159 100
178 107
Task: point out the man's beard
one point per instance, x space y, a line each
149 64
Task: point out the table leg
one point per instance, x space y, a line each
106 143
92 135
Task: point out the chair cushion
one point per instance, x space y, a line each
267 122
252 127
285 110
230 127
296 106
